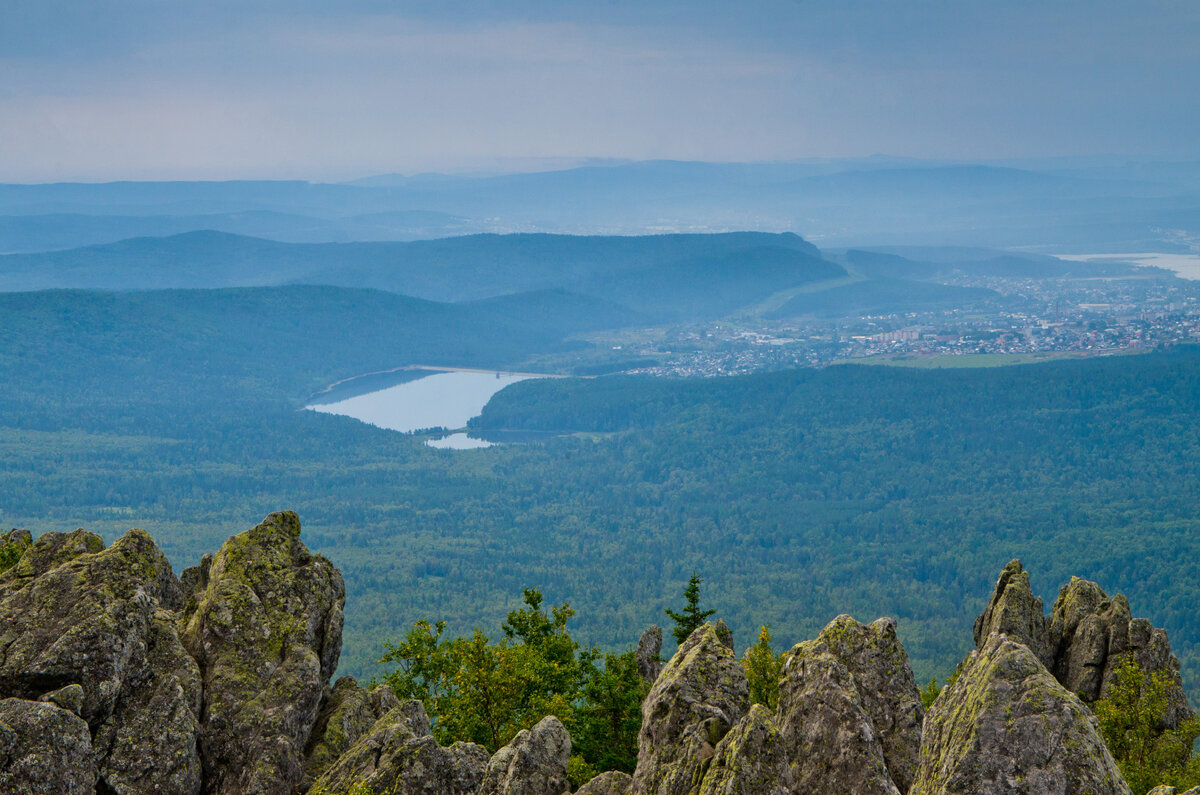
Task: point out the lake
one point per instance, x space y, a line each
425 399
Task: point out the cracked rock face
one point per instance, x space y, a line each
391 757
347 713
1007 726
264 623
699 696
1014 611
88 628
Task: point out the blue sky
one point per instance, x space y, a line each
154 89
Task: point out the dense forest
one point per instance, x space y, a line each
797 495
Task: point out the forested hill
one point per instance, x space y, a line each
660 275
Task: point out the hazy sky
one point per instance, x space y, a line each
110 89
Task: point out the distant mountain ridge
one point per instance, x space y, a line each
665 276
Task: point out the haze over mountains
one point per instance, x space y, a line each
1096 204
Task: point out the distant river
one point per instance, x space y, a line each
435 400
1185 266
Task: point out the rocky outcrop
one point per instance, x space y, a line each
611 783
751 759
649 647
1085 638
1090 634
699 696
73 613
886 688
392 757
1014 611
824 723
533 763
1007 726
44 748
265 625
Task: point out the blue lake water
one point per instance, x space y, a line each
441 400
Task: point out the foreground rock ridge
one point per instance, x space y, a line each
118 677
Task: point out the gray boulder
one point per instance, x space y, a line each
1007 726
392 758
613 782
699 696
533 763
265 624
750 760
44 749
647 655
76 614
832 744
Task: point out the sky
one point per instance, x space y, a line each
224 89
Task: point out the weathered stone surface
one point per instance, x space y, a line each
383 701
878 664
1014 611
750 760
347 713
533 763
647 655
696 700
613 782
1007 726
75 613
1090 634
44 749
390 758
265 627
832 743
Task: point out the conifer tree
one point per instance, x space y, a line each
692 616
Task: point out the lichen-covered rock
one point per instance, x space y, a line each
265 626
533 763
1014 611
725 634
614 782
75 613
69 698
698 697
1090 634
44 749
832 744
878 664
1007 726
346 715
750 760
649 646
391 758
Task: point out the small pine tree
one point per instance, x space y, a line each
692 616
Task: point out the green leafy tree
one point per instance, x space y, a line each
930 692
691 616
763 669
485 691
1131 723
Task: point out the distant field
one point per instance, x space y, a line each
945 361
